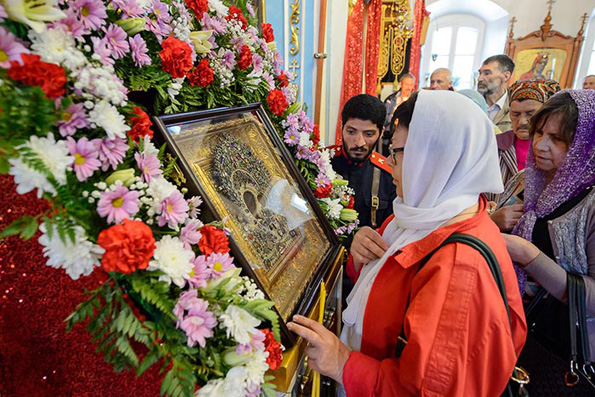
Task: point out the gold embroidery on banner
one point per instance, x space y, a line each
394 33
294 19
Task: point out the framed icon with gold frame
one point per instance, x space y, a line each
236 161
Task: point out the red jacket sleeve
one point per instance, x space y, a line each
352 273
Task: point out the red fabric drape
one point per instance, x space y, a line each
352 65
415 54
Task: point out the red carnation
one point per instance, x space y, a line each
49 76
274 348
141 125
202 74
315 135
128 246
323 191
267 32
351 203
198 6
283 80
244 58
213 240
176 57
236 13
277 102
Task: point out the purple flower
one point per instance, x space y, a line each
71 24
250 9
3 13
217 264
139 51
10 48
174 210
193 203
92 13
303 153
217 25
292 136
101 51
194 318
118 204
85 156
112 152
159 29
322 180
200 274
190 234
115 38
72 119
149 165
253 390
256 342
257 64
269 79
130 8
291 121
228 60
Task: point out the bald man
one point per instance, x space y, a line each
589 83
441 79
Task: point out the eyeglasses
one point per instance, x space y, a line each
393 152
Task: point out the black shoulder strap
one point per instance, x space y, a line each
489 257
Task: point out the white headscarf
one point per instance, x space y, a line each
450 158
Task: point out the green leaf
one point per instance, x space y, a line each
25 226
151 358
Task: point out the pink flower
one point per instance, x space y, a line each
115 38
193 203
257 64
256 342
71 24
112 152
322 180
217 25
92 13
194 318
200 274
149 165
174 210
139 51
10 48
190 234
130 8
101 50
217 263
118 204
292 136
3 13
72 119
85 154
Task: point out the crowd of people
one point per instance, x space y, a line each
511 166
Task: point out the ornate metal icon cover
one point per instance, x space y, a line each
247 183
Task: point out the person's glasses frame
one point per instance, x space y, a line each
393 152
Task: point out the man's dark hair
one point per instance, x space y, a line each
505 63
364 107
560 104
403 113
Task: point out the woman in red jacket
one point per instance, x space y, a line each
459 339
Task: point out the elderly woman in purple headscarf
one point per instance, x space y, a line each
556 233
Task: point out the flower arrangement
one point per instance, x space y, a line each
68 129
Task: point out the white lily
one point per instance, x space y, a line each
202 45
33 12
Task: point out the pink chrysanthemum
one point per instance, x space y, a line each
129 8
101 50
92 13
112 152
200 273
174 210
217 263
3 13
118 204
149 165
10 48
72 119
139 51
116 40
190 234
322 180
85 154
256 343
71 24
193 205
292 137
194 318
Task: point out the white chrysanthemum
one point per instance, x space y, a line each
305 140
173 259
257 366
78 258
240 324
235 382
57 46
220 8
148 147
159 189
100 83
174 89
334 207
53 154
214 388
110 119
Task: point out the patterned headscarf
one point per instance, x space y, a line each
574 175
537 90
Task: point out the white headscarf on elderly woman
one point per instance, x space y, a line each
450 158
